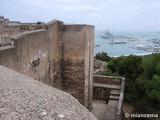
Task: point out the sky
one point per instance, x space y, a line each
133 15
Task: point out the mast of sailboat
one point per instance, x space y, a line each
107 32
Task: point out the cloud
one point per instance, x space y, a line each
114 13
94 14
75 8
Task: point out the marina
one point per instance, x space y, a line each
123 43
147 48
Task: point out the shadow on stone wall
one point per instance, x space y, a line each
73 78
101 94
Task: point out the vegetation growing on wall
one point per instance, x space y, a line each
142 80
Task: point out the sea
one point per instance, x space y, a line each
115 50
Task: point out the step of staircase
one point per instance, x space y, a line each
113 87
113 97
115 92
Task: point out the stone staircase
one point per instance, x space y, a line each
115 86
114 94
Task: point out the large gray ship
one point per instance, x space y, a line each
106 35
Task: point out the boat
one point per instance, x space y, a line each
120 42
106 35
115 41
97 45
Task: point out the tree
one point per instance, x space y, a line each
142 88
129 67
130 92
151 65
103 56
153 90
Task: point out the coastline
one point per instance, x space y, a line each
141 54
114 50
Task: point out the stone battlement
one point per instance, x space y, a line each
59 55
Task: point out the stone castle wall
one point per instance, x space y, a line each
107 79
35 55
60 56
78 61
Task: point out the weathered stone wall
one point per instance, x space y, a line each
9 58
101 93
36 55
73 78
109 88
77 49
60 56
107 79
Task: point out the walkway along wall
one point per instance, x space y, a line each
110 89
60 56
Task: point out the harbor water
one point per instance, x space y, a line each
124 49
